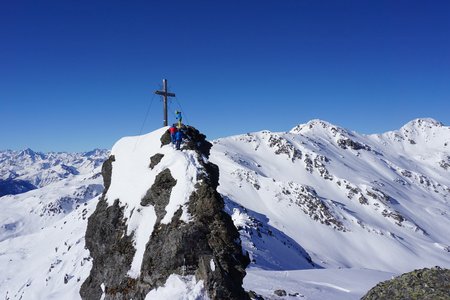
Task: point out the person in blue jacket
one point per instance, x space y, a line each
178 138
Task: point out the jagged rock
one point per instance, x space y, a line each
354 190
159 194
165 138
308 164
346 142
319 165
194 140
445 164
280 293
226 281
155 159
254 296
208 239
107 172
283 146
112 251
421 284
310 203
394 215
406 173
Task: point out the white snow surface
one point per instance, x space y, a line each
336 284
179 287
42 247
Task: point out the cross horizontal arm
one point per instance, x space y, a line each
162 93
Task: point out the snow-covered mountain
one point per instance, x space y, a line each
323 212
21 171
350 200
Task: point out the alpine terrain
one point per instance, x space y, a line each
319 212
21 171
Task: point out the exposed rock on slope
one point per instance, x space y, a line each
192 236
417 285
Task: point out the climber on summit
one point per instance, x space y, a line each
173 130
179 138
178 117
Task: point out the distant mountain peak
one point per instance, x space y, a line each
27 151
423 123
318 125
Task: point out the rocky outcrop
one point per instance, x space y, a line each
420 284
345 143
112 251
283 146
207 246
155 159
159 194
311 204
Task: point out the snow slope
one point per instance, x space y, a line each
336 284
42 254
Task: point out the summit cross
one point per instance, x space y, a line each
165 93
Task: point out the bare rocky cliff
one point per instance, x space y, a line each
208 246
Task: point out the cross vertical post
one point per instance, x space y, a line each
165 93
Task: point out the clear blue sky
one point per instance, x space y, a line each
75 75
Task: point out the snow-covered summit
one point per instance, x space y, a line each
420 139
424 123
161 206
316 125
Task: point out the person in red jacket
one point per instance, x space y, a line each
173 130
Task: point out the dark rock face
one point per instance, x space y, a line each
112 251
155 159
419 284
225 281
107 172
208 246
159 193
344 143
254 296
280 293
194 140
